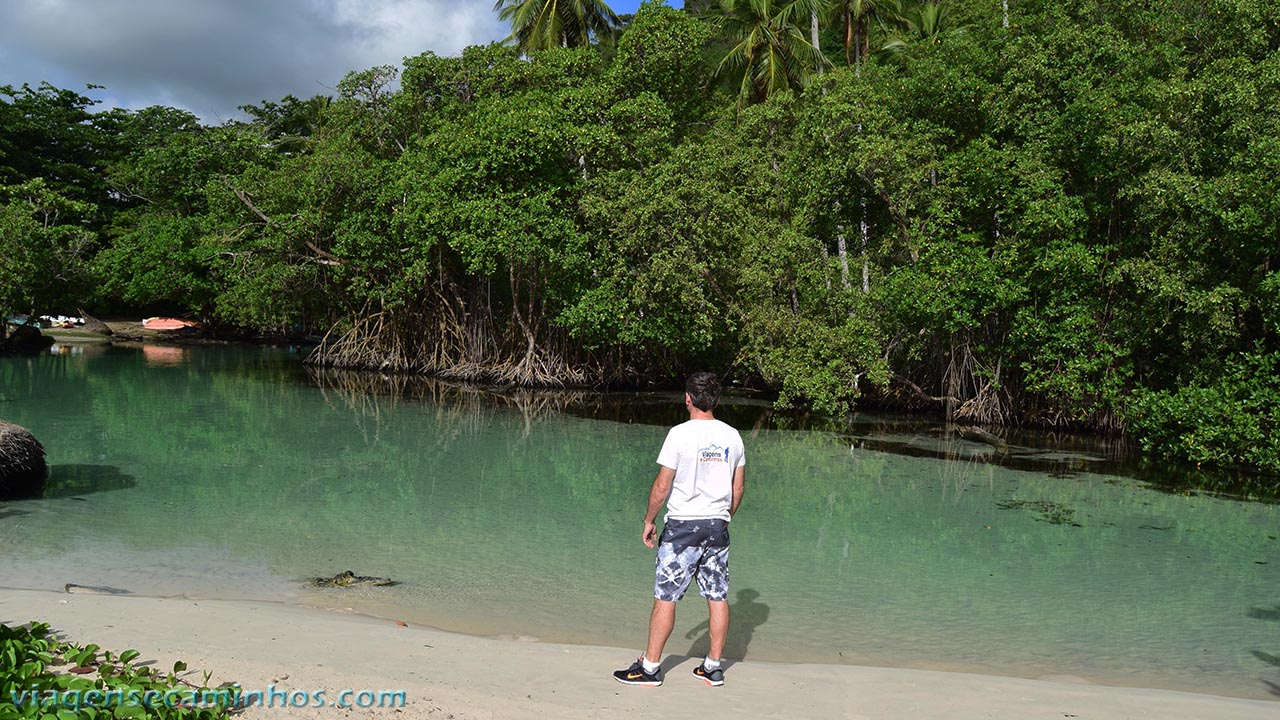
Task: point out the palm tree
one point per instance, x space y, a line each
856 16
771 50
922 20
543 24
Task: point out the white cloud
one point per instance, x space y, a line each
211 55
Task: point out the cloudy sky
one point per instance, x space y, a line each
209 56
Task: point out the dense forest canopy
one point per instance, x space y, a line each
1022 212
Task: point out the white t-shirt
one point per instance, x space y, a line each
704 454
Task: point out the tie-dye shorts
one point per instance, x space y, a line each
690 549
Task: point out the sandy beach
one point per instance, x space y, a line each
448 675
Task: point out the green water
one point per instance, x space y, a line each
211 472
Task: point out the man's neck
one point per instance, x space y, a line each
695 413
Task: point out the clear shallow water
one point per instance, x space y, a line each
229 473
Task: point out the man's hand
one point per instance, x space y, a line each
650 534
657 496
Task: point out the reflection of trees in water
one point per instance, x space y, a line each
236 408
369 393
1056 454
468 407
29 385
969 453
68 480
745 615
29 376
464 406
968 446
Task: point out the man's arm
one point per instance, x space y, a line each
657 497
739 485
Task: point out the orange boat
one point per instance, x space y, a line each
162 323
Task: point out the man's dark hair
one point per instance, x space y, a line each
704 390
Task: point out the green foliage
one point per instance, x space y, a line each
1031 224
663 266
290 123
155 259
30 658
50 133
1269 303
770 52
661 53
544 24
927 21
53 195
159 252
44 241
498 183
1232 420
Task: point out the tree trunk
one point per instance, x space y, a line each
848 36
863 45
813 35
865 229
93 324
529 338
843 251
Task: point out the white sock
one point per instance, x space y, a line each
711 664
649 667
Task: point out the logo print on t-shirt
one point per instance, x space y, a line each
713 453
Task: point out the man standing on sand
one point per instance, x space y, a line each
700 479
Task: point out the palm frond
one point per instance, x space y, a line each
542 24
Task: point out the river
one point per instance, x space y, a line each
236 473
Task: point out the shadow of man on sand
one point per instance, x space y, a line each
745 615
1268 658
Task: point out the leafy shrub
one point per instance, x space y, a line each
28 682
1233 421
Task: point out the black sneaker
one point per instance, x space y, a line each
714 678
635 675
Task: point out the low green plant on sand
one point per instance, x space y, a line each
48 679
